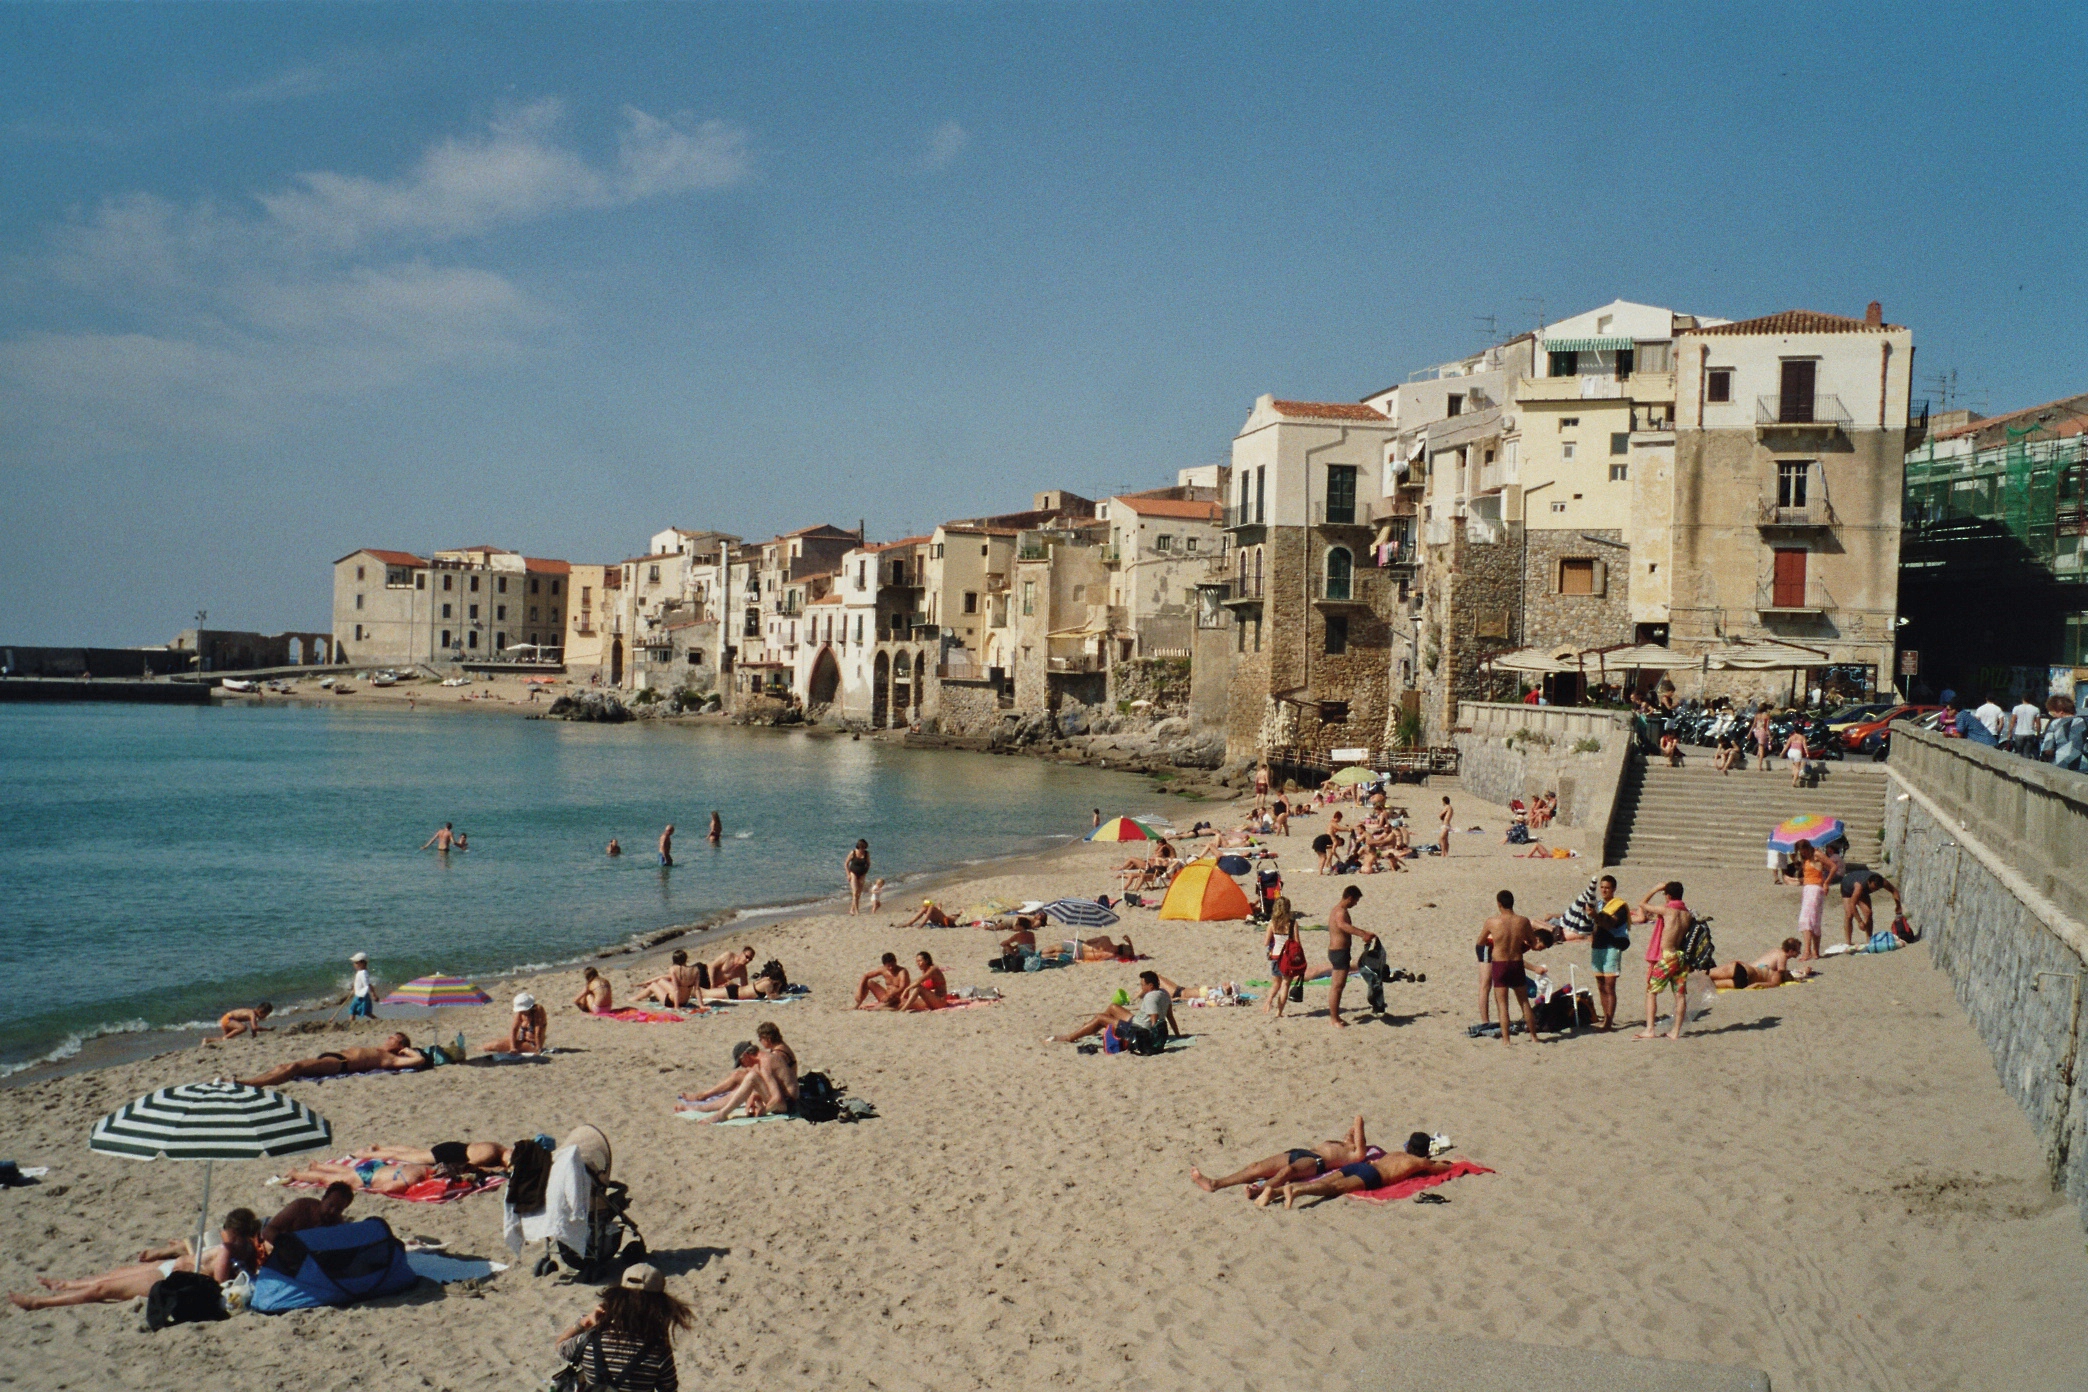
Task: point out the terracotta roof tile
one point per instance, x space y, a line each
397 558
1329 410
1173 507
547 567
1798 321
889 545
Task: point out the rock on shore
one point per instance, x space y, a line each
599 706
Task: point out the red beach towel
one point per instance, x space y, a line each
635 1015
427 1191
1407 1188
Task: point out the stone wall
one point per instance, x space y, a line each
1473 610
1162 680
968 708
1991 854
1515 751
1600 620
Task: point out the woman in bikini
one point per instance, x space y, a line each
1286 956
930 991
1296 1165
235 1253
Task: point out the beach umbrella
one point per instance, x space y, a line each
1234 865
1201 892
437 991
1080 913
1352 775
211 1121
1811 826
1123 829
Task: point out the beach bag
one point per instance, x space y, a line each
818 1098
1518 834
184 1297
1699 954
1137 1039
1291 960
1297 991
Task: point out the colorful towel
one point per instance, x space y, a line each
427 1191
691 1114
639 1015
1407 1188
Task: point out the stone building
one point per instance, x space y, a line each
880 588
594 635
469 604
1163 544
1313 637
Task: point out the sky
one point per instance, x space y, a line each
278 282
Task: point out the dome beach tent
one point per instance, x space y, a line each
1202 893
332 1266
1123 829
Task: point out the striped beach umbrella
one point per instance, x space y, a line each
211 1121
437 991
1081 913
1810 826
1123 829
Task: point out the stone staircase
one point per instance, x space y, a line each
1694 817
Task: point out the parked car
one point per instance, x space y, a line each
1856 736
1842 719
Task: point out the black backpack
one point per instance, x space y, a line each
818 1098
1138 1039
184 1297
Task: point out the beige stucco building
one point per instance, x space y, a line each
469 604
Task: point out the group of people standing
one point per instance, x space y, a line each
2054 733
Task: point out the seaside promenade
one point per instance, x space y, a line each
1823 1182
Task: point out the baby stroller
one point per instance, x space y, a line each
569 1199
1268 885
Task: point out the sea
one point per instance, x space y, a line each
162 864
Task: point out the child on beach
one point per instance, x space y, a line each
876 894
362 1003
246 1020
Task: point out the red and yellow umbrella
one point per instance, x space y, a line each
1201 893
1123 829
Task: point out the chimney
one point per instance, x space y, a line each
1874 314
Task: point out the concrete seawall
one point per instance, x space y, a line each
1991 853
1508 751
158 693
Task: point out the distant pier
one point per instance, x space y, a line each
160 693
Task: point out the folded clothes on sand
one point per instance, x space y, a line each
1407 1188
443 1270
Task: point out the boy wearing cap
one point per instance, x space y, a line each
526 1034
362 1003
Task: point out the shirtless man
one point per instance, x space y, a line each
767 1081
615 847
246 1020
1665 969
1856 905
1340 929
236 1252
301 1214
676 986
882 984
667 845
929 991
596 996
1770 969
931 915
525 1031
1296 1165
442 840
1363 1174
1445 816
395 1055
1510 935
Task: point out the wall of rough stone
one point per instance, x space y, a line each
963 707
1162 680
1473 610
1991 854
1498 761
1585 621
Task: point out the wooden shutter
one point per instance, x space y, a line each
1790 580
1795 400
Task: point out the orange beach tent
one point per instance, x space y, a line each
1202 892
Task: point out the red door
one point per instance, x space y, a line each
1790 580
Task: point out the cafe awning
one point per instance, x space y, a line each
1587 345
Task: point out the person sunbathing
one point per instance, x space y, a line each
931 915
930 992
373 1176
526 1029
1238 837
678 985
881 985
1361 1174
765 1083
596 997
236 1251
246 1020
1100 949
1770 969
395 1055
1297 1164
475 1155
769 984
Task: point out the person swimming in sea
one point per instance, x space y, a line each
615 847
717 830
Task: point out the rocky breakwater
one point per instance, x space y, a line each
1110 739
601 707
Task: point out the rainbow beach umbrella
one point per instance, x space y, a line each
435 992
1810 826
1123 829
1201 892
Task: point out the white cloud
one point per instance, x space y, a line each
219 319
945 143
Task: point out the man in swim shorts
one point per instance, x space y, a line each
1362 1174
442 840
1341 929
667 845
1296 1165
1770 969
1611 921
1510 935
395 1055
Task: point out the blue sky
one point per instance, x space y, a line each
279 281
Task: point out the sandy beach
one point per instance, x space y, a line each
1824 1181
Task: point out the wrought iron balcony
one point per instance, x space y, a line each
1822 410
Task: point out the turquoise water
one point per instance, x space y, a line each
161 864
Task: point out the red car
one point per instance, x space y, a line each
1870 736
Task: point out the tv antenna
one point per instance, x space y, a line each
1488 326
1539 303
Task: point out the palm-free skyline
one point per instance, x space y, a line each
285 281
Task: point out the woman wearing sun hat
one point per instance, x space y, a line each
627 1341
526 1034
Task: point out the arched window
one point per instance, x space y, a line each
1257 572
1340 571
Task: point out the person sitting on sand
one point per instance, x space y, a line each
931 915
300 1214
930 992
526 1030
395 1055
744 1056
1770 969
766 1082
731 967
1155 1013
678 985
881 985
1361 1174
595 996
235 1253
768 984
246 1020
1296 1165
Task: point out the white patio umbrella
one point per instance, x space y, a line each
1535 660
211 1121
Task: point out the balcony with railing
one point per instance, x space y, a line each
1239 518
1333 514
1818 410
997 584
1653 420
1798 501
1806 599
